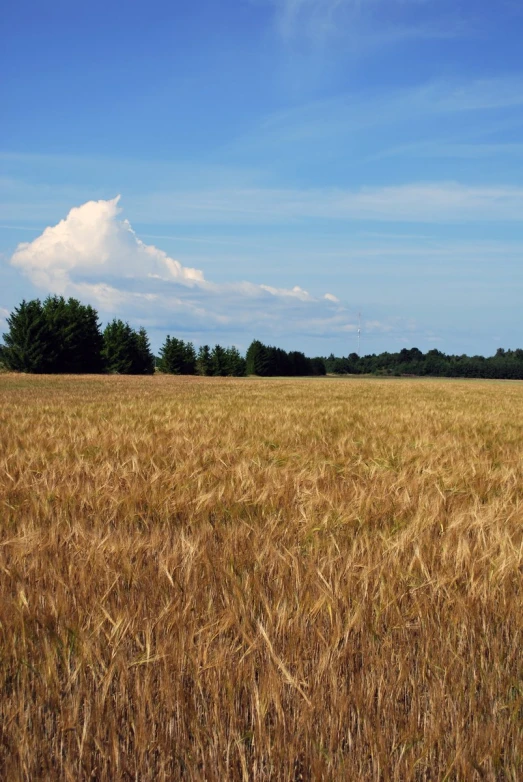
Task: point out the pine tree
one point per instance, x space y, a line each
86 353
77 339
120 350
258 359
204 361
28 345
234 362
177 357
300 364
318 366
219 361
189 359
165 358
173 356
144 358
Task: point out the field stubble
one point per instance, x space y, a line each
213 579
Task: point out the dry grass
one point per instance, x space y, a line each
207 579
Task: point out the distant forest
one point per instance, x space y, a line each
504 365
65 336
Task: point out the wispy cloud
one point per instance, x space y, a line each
359 126
362 23
441 149
481 94
438 202
314 17
421 202
353 111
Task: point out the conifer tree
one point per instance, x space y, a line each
28 345
204 361
168 360
189 359
219 361
145 358
234 362
76 335
258 359
120 348
177 357
318 366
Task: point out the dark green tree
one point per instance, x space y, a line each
219 361
120 348
144 357
177 357
189 359
258 359
28 344
318 366
234 362
204 361
77 339
300 364
167 357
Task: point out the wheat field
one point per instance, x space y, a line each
246 579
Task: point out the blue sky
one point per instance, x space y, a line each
282 165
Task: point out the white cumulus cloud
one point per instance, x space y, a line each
92 241
94 254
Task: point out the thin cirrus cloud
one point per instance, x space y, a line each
454 100
361 22
432 202
96 255
416 202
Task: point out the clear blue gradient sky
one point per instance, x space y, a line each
282 166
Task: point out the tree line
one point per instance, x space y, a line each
504 365
65 336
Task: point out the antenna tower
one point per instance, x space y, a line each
359 331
